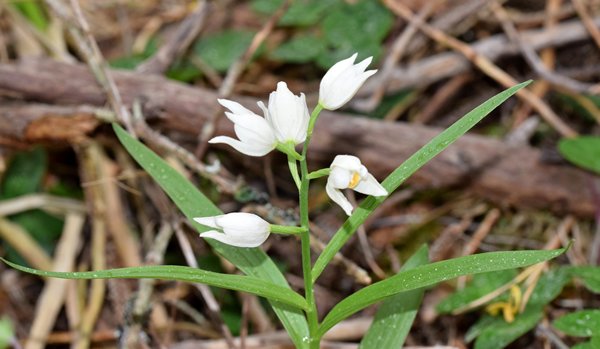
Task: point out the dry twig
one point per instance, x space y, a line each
485 65
185 34
536 63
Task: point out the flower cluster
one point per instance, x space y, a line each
286 123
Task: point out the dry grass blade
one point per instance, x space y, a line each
53 295
486 66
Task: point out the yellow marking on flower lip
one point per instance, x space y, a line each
354 181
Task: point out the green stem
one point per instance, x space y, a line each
319 173
288 148
311 313
311 125
294 170
285 229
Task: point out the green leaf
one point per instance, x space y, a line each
584 323
24 176
300 49
351 28
494 332
251 261
583 151
300 13
406 169
220 50
7 333
481 285
589 275
183 70
132 61
499 333
431 274
396 314
180 273
592 344
548 287
34 12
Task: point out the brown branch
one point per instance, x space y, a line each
176 45
588 21
534 60
486 166
437 67
485 65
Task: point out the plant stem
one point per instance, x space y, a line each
319 173
286 229
294 170
311 313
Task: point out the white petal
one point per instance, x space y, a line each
370 186
339 177
252 129
208 221
333 73
234 107
232 240
244 148
339 198
360 67
346 88
342 82
288 114
304 119
349 162
262 106
242 221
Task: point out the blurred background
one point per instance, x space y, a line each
71 198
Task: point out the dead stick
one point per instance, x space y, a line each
485 65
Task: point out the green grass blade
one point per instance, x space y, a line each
406 169
583 151
431 274
396 314
251 261
242 283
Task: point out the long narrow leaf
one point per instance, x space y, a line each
251 261
406 169
430 274
180 273
396 314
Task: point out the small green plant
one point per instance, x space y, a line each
522 302
236 236
583 151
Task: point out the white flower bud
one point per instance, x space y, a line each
236 229
342 80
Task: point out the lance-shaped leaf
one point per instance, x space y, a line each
406 169
252 261
180 273
396 314
430 274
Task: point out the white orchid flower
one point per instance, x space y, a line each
256 136
342 80
348 172
287 114
236 229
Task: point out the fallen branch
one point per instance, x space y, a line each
488 167
437 67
